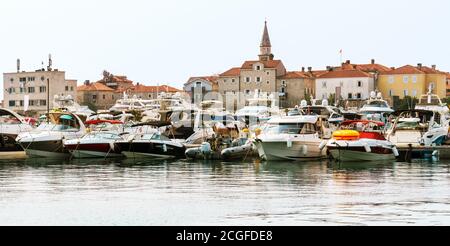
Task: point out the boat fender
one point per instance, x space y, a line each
111 146
322 145
164 148
367 148
305 150
395 151
205 148
289 143
435 153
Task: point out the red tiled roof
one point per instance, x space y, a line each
372 67
294 75
429 70
94 87
267 64
146 89
408 69
234 72
345 74
212 79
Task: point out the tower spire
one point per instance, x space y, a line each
266 46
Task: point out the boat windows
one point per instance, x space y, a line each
9 119
297 128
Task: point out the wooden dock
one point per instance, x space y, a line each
12 155
410 152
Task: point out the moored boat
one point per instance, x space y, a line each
11 124
361 140
47 139
290 138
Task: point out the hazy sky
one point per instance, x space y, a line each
169 41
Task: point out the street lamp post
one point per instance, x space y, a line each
48 97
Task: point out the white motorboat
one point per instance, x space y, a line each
11 124
68 103
330 116
361 140
416 128
99 142
290 138
47 139
432 102
376 108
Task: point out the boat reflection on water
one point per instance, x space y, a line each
362 166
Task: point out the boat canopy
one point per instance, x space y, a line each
364 122
294 119
97 122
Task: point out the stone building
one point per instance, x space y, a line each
97 96
39 86
202 88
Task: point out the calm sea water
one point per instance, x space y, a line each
124 192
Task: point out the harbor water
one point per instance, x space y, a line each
141 192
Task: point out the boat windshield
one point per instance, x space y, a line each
103 135
376 104
411 125
9 119
430 100
291 128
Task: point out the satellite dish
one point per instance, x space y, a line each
373 94
325 103
303 103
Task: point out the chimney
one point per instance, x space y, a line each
419 65
347 62
310 69
18 65
372 61
433 67
87 82
303 69
329 68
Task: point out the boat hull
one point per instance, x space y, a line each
348 155
47 149
280 151
99 150
151 150
8 143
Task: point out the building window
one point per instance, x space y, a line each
233 80
258 79
43 102
247 92
283 90
94 97
11 90
112 97
324 84
283 83
358 96
21 103
42 89
12 103
268 73
31 89
268 82
31 78
104 97
414 79
405 93
23 79
32 102
391 79
22 90
248 79
414 93
258 68
12 80
71 88
67 88
405 79
350 96
360 83
225 80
